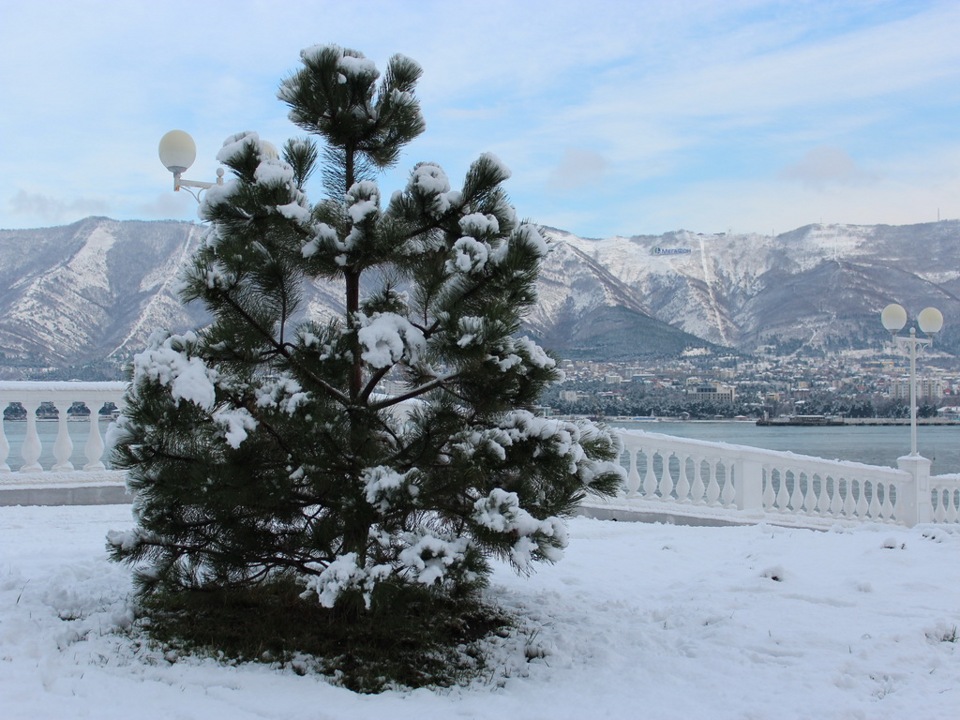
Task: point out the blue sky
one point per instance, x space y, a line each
616 117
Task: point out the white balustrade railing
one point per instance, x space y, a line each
945 493
737 480
61 396
665 474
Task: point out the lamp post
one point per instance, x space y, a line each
930 320
177 153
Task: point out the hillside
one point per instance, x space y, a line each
89 294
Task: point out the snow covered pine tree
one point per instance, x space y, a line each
264 446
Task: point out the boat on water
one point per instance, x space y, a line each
801 420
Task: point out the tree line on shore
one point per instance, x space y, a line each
595 399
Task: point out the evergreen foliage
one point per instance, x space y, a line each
392 446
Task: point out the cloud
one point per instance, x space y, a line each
48 209
577 169
169 206
826 165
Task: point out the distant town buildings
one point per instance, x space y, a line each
928 388
761 384
712 392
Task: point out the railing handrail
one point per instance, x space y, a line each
719 476
736 478
63 395
753 451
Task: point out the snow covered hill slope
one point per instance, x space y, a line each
92 292
818 287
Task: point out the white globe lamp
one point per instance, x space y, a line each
177 151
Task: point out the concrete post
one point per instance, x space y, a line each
915 503
749 484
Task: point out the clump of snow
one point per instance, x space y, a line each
237 423
479 225
388 338
430 558
345 574
471 329
535 353
282 393
429 183
295 211
357 66
500 511
382 484
363 200
188 377
237 145
530 235
273 171
493 161
324 236
469 256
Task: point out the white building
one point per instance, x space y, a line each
930 388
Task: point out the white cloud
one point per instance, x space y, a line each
620 107
825 165
53 210
577 169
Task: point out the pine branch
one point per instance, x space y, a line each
416 392
281 349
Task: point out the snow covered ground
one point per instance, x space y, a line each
639 621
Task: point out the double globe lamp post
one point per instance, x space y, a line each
930 320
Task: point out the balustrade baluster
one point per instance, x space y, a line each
666 479
4 443
796 497
683 483
93 450
31 448
783 497
63 447
729 493
940 510
768 495
849 500
633 477
823 495
887 507
837 500
810 494
874 507
862 506
698 489
649 477
713 487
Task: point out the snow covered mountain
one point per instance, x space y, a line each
91 293
820 287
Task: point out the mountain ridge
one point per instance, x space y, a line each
90 293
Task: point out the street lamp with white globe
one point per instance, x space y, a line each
930 320
177 152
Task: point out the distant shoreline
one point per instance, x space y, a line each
777 422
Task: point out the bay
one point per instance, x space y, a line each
873 445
